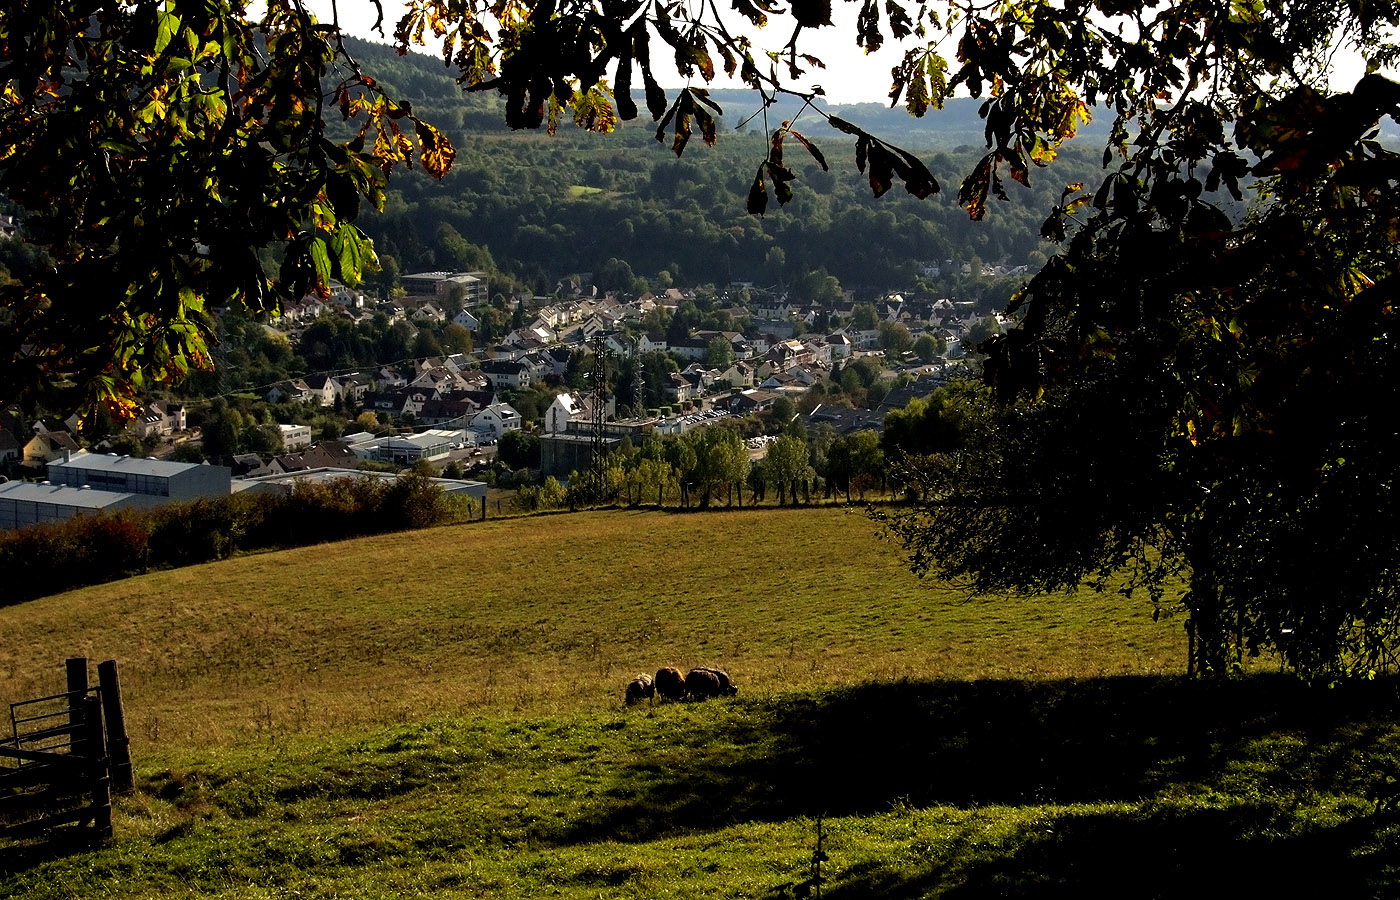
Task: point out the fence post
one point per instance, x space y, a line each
77 668
89 743
118 746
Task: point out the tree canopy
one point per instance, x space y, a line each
154 148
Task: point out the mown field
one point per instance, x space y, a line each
438 714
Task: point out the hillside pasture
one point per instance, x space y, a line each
438 714
550 614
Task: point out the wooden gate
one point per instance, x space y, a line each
64 756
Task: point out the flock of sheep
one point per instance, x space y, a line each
700 683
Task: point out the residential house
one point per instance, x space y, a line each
505 374
746 402
680 388
841 345
443 411
326 454
739 375
295 391
566 407
497 419
467 321
48 447
786 354
428 314
651 342
739 345
249 465
620 345
844 420
439 379
558 359
325 389
160 418
295 437
346 296
692 347
355 385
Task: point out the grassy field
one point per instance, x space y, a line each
438 714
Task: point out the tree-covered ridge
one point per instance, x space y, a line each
545 205
543 208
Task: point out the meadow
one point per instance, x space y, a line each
438 713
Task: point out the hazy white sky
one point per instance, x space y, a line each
850 75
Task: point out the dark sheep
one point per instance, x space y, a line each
639 689
669 683
702 684
726 687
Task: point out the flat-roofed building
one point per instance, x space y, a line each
133 475
407 449
24 503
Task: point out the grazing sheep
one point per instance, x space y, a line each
726 687
702 684
639 689
669 683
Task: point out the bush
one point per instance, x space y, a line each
187 533
55 557
50 558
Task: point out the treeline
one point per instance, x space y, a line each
543 206
710 466
91 549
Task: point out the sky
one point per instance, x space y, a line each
851 76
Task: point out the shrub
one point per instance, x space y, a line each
54 557
186 533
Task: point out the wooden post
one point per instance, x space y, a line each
483 507
118 745
77 667
89 744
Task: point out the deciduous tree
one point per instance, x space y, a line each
154 149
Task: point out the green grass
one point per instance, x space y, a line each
437 714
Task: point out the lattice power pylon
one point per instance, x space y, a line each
599 413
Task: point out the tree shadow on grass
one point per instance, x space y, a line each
862 750
1166 852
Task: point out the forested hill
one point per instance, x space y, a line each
424 79
537 207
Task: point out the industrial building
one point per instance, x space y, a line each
94 482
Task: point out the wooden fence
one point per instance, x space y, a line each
64 756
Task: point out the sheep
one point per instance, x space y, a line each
726 686
639 689
702 684
669 683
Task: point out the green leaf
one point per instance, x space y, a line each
321 266
167 24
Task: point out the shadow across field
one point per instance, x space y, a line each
1171 852
868 749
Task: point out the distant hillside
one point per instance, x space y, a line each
430 85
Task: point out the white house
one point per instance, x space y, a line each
497 419
295 437
506 373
